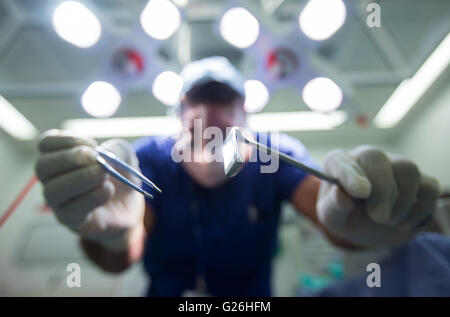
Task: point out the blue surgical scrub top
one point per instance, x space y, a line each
226 235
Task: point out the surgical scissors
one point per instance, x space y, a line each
103 156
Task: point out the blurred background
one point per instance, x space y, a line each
334 74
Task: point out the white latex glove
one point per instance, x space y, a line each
83 197
385 201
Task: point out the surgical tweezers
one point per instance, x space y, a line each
104 155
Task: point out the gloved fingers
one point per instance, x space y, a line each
407 177
334 206
74 212
343 167
123 150
67 186
52 164
427 196
53 140
378 169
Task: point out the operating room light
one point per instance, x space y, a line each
167 88
124 127
160 19
320 19
239 27
159 125
101 99
256 96
409 92
322 94
181 3
296 121
14 123
75 24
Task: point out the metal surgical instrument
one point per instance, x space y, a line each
233 162
103 156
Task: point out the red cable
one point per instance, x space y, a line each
18 200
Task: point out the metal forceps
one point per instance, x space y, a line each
103 156
233 162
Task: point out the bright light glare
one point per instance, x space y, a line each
322 94
239 27
228 153
320 19
256 96
101 99
411 90
75 24
124 127
296 121
181 3
160 19
14 123
145 126
167 88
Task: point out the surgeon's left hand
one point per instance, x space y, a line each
384 200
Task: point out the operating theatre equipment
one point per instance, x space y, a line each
233 161
104 155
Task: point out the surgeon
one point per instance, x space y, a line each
210 234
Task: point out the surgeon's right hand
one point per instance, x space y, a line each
83 197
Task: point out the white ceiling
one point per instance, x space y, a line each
44 76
